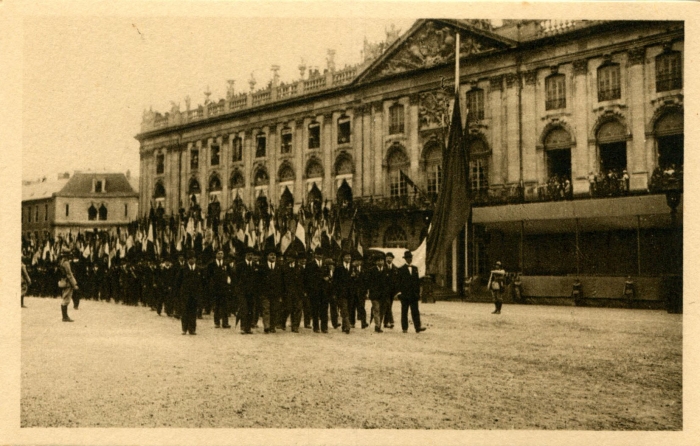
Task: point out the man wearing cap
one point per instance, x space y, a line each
409 293
247 288
392 290
377 288
272 291
315 286
343 285
69 283
359 293
219 275
190 289
497 285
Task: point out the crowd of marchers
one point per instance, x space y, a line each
267 290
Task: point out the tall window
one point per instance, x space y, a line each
67 210
343 130
608 82
396 161
669 72
395 237
36 214
286 146
92 212
126 210
194 159
160 164
555 86
98 186
314 135
398 186
434 172
159 190
475 104
46 212
215 154
478 174
103 212
237 149
396 119
261 145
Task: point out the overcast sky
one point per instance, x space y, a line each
88 80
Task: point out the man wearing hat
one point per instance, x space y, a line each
247 289
392 290
409 293
497 285
190 289
330 302
315 286
359 292
343 284
272 290
219 275
294 284
377 288
68 282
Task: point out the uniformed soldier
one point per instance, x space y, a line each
496 285
69 284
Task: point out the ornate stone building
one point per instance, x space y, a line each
575 139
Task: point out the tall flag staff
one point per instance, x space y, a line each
454 193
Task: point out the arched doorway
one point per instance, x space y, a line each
668 132
557 146
612 147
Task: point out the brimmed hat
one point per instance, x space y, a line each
318 251
498 263
407 254
389 254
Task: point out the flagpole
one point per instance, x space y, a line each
457 62
454 242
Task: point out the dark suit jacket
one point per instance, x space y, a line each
313 279
190 286
218 277
343 282
248 279
392 286
377 283
272 284
409 283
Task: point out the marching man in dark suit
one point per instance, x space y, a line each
219 274
392 290
377 286
356 305
190 289
409 293
343 284
272 291
247 288
315 287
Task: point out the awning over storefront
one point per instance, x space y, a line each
605 214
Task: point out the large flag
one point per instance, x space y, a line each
453 204
301 233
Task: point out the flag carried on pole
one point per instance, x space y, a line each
453 203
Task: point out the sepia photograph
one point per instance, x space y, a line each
361 228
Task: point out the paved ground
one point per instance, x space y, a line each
532 367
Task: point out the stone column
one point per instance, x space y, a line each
299 147
358 145
248 153
512 127
367 152
637 148
378 148
528 117
495 100
272 153
580 153
412 125
326 156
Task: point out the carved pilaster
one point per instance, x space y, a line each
635 56
414 99
496 83
511 79
530 77
580 66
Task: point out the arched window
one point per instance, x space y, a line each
159 190
286 199
343 165
433 167
668 131
395 237
315 197
103 212
237 180
214 184
557 146
612 147
286 173
261 177
193 187
344 195
314 169
92 212
397 161
479 164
